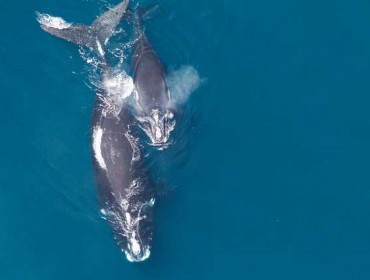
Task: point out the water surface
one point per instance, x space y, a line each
270 180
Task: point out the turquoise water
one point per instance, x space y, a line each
271 180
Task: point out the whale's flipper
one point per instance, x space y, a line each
94 36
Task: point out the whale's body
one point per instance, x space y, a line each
154 107
125 192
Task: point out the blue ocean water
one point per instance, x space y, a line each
271 180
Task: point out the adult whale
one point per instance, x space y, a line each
154 107
125 191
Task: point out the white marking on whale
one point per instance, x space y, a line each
100 49
97 138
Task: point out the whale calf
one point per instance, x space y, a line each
125 192
154 107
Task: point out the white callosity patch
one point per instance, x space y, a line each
50 21
144 256
135 246
158 127
117 86
182 83
158 132
97 139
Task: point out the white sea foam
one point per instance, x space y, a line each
115 83
51 21
182 83
117 86
118 83
93 63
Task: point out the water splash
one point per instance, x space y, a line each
113 86
90 58
182 83
51 21
117 86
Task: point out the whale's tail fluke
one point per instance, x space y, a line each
94 36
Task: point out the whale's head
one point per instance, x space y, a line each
133 236
136 250
158 125
132 229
